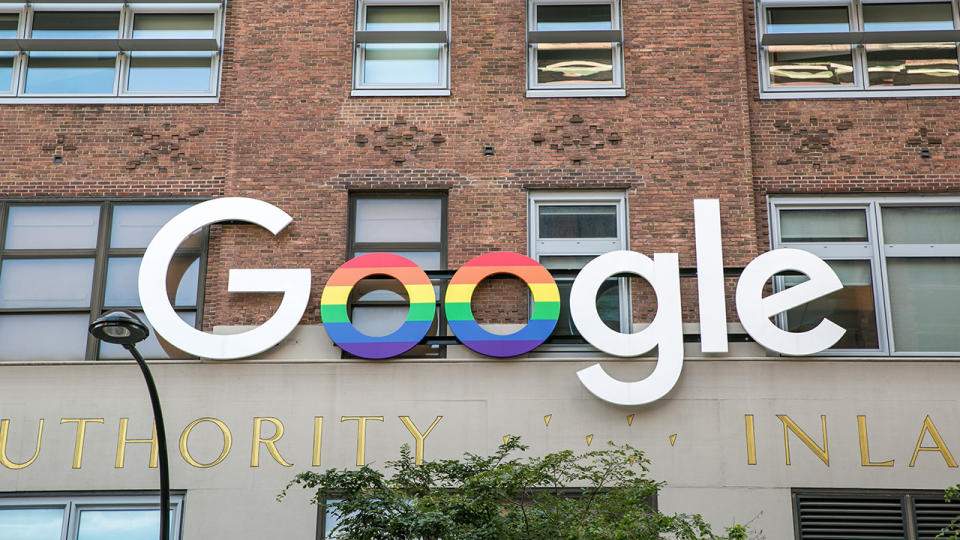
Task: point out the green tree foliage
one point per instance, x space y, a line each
952 531
602 494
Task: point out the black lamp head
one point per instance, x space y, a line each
119 326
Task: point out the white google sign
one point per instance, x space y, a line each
662 272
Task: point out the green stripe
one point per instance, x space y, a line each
423 311
545 311
334 313
459 311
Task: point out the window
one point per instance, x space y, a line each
402 48
413 225
899 261
62 265
858 48
875 514
114 516
156 52
574 48
570 229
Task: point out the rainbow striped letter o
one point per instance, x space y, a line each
333 305
546 304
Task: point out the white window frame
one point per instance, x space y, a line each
860 88
538 247
873 250
441 88
73 504
613 89
118 95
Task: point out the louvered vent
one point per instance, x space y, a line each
850 517
933 514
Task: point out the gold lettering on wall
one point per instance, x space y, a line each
4 432
270 443
81 431
122 441
941 447
751 440
317 439
789 425
361 435
227 443
865 447
419 437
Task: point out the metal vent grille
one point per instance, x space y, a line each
850 517
932 514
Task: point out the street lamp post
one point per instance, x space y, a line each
124 328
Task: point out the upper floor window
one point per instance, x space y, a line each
62 265
412 225
858 48
570 229
402 48
574 48
110 52
898 259
103 516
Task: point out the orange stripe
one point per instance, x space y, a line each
344 277
473 274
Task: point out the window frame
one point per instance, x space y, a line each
361 88
616 88
573 247
860 88
442 247
73 503
126 12
101 255
879 253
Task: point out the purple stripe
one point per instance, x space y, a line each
503 349
378 349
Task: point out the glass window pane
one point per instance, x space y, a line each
132 524
398 220
135 225
27 337
578 221
152 347
565 262
180 74
394 18
608 307
45 283
378 320
574 63
900 17
401 63
924 295
804 64
427 260
8 25
851 307
574 17
6 72
76 24
166 25
823 225
31 523
52 227
123 274
921 225
912 64
88 74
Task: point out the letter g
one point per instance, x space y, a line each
293 283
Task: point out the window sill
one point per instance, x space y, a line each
860 94
396 92
578 92
108 100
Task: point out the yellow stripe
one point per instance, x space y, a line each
460 293
545 292
421 294
335 295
